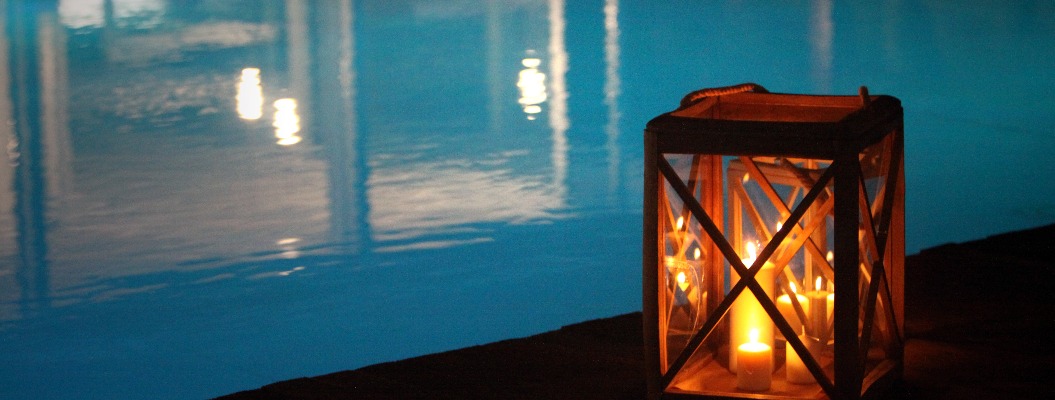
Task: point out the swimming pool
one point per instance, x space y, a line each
203 197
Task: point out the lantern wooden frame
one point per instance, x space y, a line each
843 157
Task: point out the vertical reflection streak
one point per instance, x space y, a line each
494 63
821 34
54 112
299 58
337 120
558 117
30 182
355 224
612 90
8 159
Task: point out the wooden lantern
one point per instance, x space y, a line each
774 245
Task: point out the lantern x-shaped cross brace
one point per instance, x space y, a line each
878 237
802 234
747 275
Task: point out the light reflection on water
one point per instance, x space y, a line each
199 198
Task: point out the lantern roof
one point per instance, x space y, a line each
738 121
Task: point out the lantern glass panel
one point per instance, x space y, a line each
878 333
750 200
687 276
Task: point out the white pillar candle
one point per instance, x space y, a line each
747 313
788 310
818 314
756 365
796 370
831 304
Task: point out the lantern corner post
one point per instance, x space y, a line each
848 367
896 273
650 277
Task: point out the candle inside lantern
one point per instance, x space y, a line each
756 364
682 283
747 313
788 310
703 296
819 301
831 304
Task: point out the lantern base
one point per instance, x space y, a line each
709 377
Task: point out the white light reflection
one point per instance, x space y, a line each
81 13
532 85
612 90
76 14
289 251
287 241
299 56
249 99
276 274
558 118
822 31
287 122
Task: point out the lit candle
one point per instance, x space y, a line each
794 367
747 313
831 304
683 284
683 280
818 313
756 364
788 310
703 297
681 294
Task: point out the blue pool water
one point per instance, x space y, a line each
202 197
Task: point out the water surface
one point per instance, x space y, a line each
203 197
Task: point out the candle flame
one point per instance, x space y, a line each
779 225
696 254
752 252
746 178
830 256
752 335
681 281
680 223
818 283
793 288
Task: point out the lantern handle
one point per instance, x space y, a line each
865 98
691 98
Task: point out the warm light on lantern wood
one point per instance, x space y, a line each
771 193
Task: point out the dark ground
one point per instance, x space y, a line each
980 324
